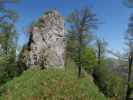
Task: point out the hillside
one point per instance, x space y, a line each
50 84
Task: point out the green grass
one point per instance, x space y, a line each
131 86
50 84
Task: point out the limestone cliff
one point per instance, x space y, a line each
46 41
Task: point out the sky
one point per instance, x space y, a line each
112 15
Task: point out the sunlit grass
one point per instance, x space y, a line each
50 84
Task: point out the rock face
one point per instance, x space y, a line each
46 41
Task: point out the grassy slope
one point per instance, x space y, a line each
50 84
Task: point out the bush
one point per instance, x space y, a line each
111 84
7 67
101 76
89 59
116 87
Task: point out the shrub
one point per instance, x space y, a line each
116 87
89 59
111 84
101 76
7 67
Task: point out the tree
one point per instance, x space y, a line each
89 59
101 49
128 3
101 73
129 43
108 82
7 42
115 87
7 20
81 23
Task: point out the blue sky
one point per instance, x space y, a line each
111 13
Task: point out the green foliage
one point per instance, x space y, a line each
7 27
101 48
131 85
7 66
71 46
101 76
116 87
131 88
7 43
81 23
50 84
111 84
88 55
129 43
89 59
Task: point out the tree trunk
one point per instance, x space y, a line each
79 54
99 54
129 78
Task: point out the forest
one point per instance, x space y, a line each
79 65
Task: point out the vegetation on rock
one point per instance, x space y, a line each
51 84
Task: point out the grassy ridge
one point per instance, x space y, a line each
50 84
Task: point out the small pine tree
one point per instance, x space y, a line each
81 23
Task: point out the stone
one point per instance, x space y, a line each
46 42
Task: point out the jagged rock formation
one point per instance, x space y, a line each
46 41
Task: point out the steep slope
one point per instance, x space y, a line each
50 84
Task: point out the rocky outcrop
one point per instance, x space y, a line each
46 41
